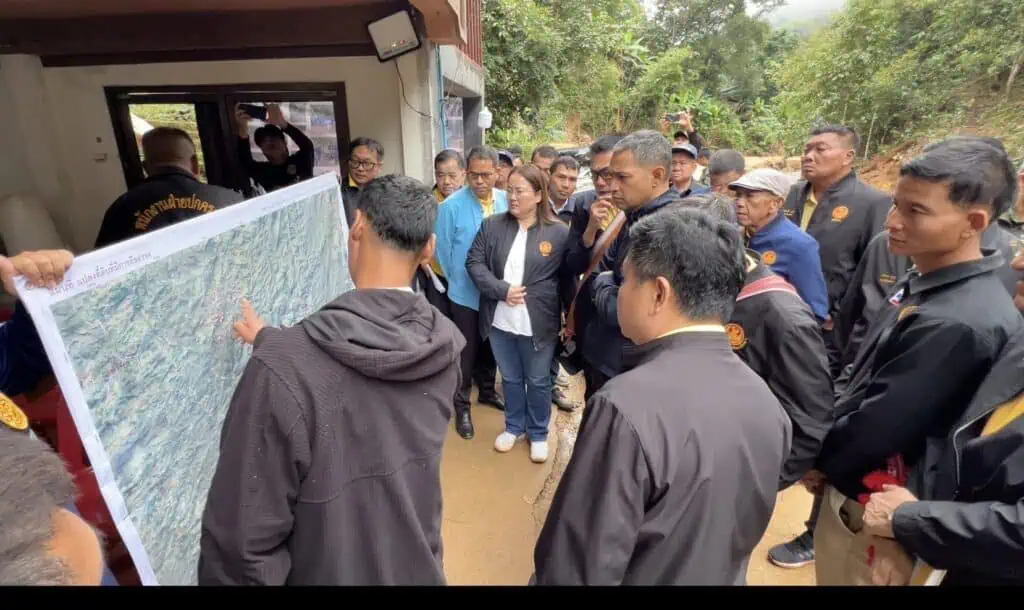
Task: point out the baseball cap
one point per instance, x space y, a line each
687 148
507 156
765 179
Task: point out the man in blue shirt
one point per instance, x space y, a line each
458 222
789 251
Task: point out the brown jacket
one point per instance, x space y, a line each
329 471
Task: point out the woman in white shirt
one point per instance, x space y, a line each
515 263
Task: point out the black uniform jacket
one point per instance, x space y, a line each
161 200
776 334
971 521
878 272
575 262
673 477
299 165
603 342
545 248
923 358
849 214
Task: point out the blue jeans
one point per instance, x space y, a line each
526 383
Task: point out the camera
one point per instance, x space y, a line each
256 111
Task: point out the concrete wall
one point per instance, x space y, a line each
60 145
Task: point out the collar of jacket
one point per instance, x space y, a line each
637 355
165 172
653 205
765 231
839 185
990 261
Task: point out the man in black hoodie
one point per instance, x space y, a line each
330 458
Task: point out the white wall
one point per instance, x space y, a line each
73 163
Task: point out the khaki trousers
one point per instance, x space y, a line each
840 545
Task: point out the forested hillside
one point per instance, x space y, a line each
898 70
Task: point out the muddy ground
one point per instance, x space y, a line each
495 505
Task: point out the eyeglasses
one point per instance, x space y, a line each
481 175
357 164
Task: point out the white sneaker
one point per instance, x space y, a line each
539 452
505 442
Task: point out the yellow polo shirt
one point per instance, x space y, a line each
809 207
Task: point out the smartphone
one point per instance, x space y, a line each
673 117
256 111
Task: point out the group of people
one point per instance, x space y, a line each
735 339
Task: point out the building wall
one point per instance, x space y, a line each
65 111
64 151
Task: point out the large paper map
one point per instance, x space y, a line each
141 341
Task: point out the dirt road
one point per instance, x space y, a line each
495 505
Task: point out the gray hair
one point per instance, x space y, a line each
701 257
717 205
649 148
35 486
725 161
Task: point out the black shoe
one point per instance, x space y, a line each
464 424
796 553
562 401
491 399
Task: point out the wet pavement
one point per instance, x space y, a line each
495 504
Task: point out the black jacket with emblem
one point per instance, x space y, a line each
846 218
777 335
970 521
180 196
673 477
923 358
545 249
879 270
603 342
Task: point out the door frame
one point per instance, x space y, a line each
225 96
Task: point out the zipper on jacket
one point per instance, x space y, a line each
956 447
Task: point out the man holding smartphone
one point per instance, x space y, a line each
280 169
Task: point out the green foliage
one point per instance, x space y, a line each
562 70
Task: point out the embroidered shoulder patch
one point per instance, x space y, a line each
737 338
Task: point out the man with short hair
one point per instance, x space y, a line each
330 459
170 193
673 477
449 176
684 163
506 163
565 172
280 169
725 167
458 222
1013 219
774 331
789 251
640 169
42 542
365 160
544 157
925 355
593 213
449 173
843 213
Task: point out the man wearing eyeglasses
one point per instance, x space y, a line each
364 162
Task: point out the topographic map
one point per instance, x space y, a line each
152 363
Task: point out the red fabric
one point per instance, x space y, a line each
895 474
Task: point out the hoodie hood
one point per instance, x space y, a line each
391 335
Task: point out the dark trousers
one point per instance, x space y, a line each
835 354
434 297
815 509
595 380
477 361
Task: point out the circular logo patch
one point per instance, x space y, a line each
769 257
12 416
545 248
737 338
840 213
